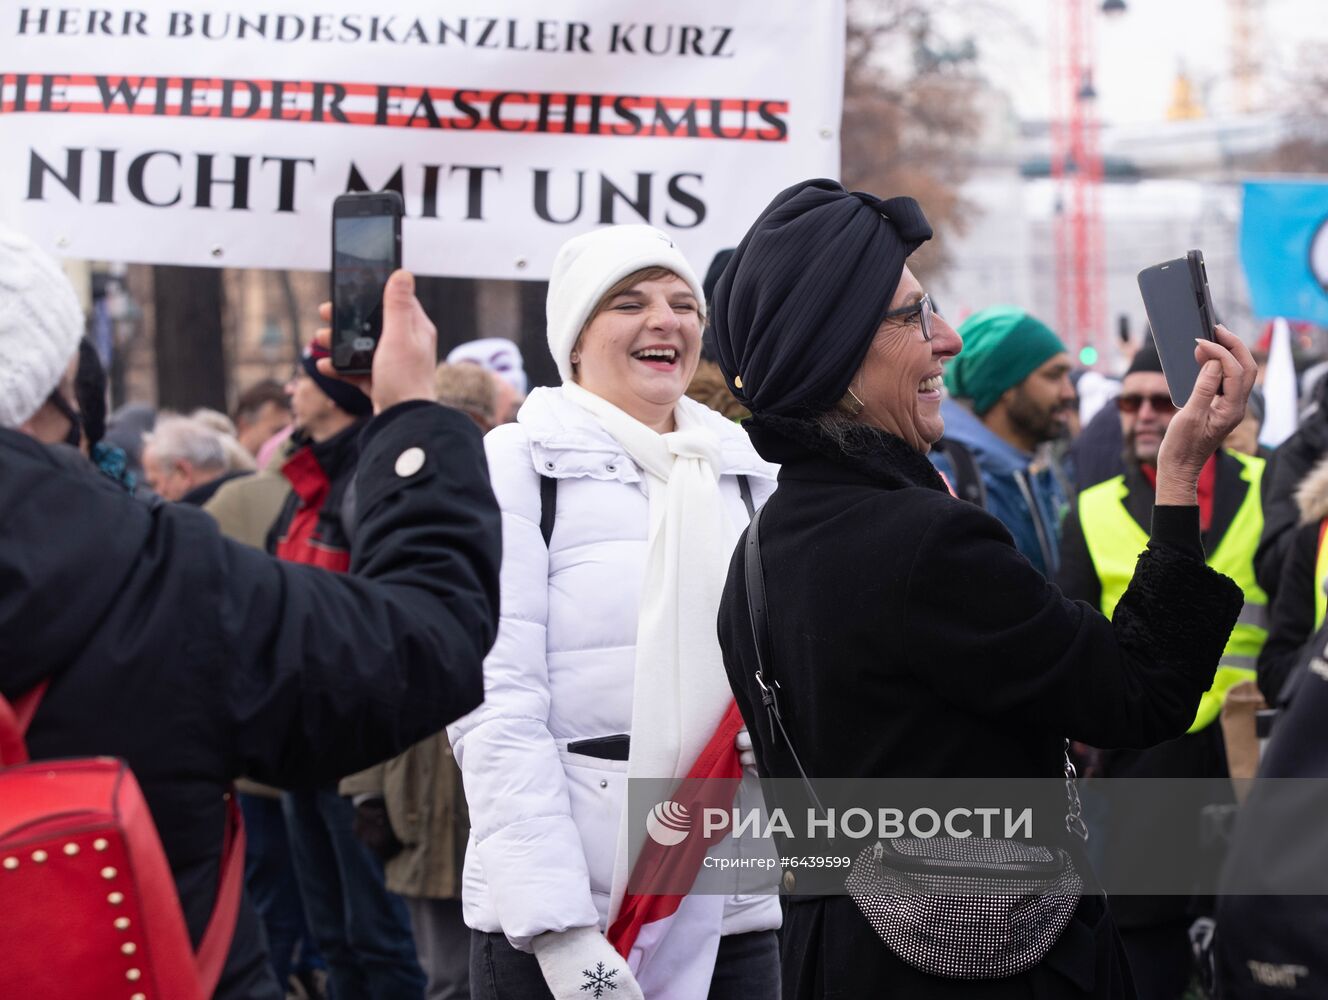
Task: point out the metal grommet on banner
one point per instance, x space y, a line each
217 251
521 263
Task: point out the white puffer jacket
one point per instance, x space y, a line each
544 822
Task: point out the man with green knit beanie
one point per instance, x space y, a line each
1010 393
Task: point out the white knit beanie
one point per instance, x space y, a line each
41 324
589 265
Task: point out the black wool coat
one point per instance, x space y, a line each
911 639
197 659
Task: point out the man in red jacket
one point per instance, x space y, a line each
362 930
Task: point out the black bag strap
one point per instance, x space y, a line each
548 506
968 484
757 610
745 488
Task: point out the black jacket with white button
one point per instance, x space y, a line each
197 659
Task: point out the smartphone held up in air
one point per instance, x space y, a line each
1179 309
366 249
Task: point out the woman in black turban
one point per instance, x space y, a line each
903 634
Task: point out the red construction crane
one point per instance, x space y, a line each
1076 168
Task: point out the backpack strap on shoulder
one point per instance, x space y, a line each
968 484
548 506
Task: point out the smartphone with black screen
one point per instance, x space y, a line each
366 249
1179 309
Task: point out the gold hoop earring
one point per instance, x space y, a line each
850 403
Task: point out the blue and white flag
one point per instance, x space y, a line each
1284 248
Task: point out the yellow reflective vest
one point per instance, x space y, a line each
1321 576
1115 540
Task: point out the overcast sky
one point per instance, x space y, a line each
1139 52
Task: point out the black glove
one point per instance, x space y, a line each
372 828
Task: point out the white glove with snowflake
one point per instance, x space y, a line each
580 963
746 755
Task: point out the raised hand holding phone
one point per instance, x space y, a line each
403 362
366 249
1180 309
1208 416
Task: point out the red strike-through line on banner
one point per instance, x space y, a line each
329 96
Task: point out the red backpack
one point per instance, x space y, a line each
88 906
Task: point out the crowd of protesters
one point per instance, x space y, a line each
977 561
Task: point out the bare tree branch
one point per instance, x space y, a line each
910 112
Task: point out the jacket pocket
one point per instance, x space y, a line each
597 789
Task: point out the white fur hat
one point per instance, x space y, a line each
589 265
41 324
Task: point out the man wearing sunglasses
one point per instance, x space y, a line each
1102 538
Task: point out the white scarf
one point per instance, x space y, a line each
680 691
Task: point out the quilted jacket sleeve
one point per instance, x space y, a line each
520 807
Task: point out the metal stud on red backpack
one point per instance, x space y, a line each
91 910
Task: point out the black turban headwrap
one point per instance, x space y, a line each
799 303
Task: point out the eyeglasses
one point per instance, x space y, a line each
1160 402
922 308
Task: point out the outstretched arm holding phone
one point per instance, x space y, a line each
1203 423
197 659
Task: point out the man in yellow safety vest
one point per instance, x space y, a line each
1102 538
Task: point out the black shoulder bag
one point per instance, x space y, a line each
972 908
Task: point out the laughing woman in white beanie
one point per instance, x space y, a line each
622 500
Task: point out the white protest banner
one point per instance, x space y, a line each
218 134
